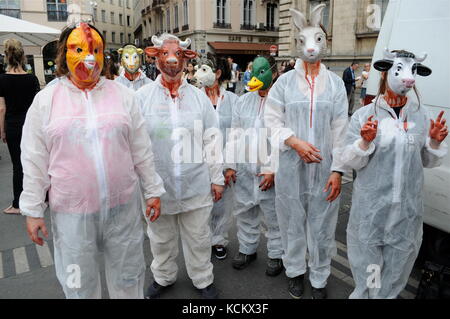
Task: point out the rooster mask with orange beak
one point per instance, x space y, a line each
85 56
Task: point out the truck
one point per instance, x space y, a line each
423 26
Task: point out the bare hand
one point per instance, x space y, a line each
308 152
334 182
369 130
217 191
33 227
438 130
153 204
230 175
267 181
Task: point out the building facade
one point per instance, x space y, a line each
239 28
114 18
352 29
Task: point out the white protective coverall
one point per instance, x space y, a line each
89 150
135 85
316 112
221 212
252 204
385 226
186 207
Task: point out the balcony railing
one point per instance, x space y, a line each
15 13
222 25
185 27
272 28
248 27
176 30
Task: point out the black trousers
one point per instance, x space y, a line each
13 130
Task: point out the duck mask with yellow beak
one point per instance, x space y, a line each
262 75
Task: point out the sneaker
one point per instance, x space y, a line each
155 290
209 292
242 260
319 293
297 287
274 267
220 252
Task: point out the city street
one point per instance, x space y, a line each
27 271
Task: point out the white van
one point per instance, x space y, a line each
423 26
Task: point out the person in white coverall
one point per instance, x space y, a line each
84 141
307 109
389 142
254 180
184 128
212 72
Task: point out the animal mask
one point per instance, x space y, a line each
171 53
205 75
262 75
84 56
131 58
311 39
402 67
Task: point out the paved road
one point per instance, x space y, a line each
27 270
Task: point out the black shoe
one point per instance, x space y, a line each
319 293
274 267
297 287
209 292
242 260
154 291
220 252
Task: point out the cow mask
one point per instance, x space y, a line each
171 54
402 67
84 56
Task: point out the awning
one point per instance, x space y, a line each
30 34
240 48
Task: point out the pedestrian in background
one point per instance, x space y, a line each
247 76
364 79
17 91
232 85
189 73
150 69
350 85
111 69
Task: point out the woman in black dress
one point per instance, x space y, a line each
17 91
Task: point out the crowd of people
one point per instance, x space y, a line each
102 146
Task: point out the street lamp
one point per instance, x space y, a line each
93 5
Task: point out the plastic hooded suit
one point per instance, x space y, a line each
385 225
183 127
205 77
90 150
316 112
251 203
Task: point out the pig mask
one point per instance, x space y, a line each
311 39
84 56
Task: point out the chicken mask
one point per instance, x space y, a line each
84 56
